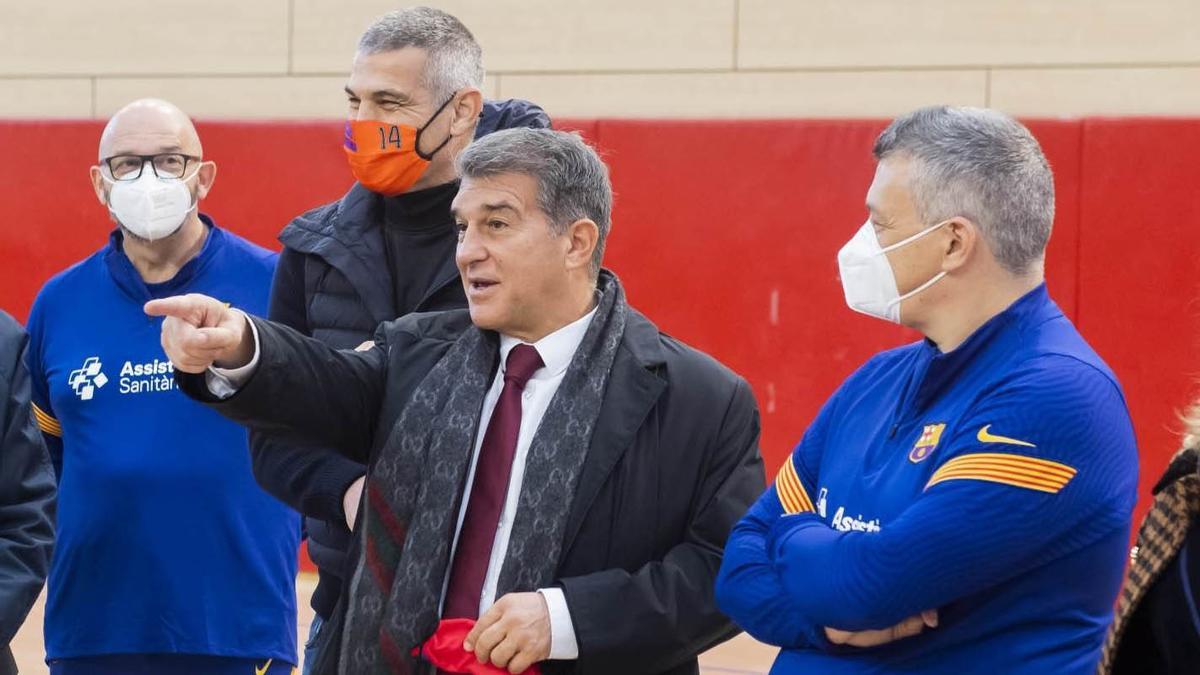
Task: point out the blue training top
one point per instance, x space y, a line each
994 483
165 542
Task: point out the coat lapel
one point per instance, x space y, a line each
634 388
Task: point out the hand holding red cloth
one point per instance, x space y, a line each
444 649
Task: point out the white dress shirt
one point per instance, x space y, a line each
556 350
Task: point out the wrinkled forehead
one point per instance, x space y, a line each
513 192
397 74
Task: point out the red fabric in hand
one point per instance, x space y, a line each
444 649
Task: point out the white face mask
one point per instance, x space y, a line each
150 207
867 276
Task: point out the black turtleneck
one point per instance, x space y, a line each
419 236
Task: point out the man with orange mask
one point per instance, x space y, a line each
382 251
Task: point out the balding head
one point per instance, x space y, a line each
149 126
140 130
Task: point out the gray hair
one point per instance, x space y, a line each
572 180
453 58
981 165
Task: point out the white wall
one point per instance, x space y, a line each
620 58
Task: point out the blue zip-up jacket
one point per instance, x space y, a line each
993 483
165 543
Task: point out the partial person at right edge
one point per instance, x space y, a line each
384 250
1157 626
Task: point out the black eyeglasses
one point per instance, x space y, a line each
165 165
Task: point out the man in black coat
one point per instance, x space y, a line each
545 465
27 489
375 255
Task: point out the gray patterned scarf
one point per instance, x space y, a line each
415 489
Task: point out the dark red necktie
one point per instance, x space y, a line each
490 488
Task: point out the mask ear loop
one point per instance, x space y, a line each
196 197
904 242
417 142
936 278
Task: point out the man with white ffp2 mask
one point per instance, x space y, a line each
962 503
153 197
149 195
867 277
169 558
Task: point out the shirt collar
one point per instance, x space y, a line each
130 281
940 369
1029 306
556 349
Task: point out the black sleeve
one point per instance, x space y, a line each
665 613
305 390
27 489
309 478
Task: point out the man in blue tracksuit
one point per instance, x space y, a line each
169 559
961 504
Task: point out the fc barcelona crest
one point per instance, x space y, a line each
927 443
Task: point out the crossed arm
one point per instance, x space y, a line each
788 576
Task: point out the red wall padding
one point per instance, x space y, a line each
726 234
1139 271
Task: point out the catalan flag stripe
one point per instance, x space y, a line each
1040 466
1032 473
786 497
801 498
791 491
794 478
996 477
46 423
1016 459
787 493
1019 473
1015 468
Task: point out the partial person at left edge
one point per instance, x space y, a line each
26 493
170 558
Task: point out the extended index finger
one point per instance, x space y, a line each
178 306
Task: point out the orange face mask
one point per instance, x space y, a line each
387 158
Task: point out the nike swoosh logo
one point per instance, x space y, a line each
985 436
264 669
